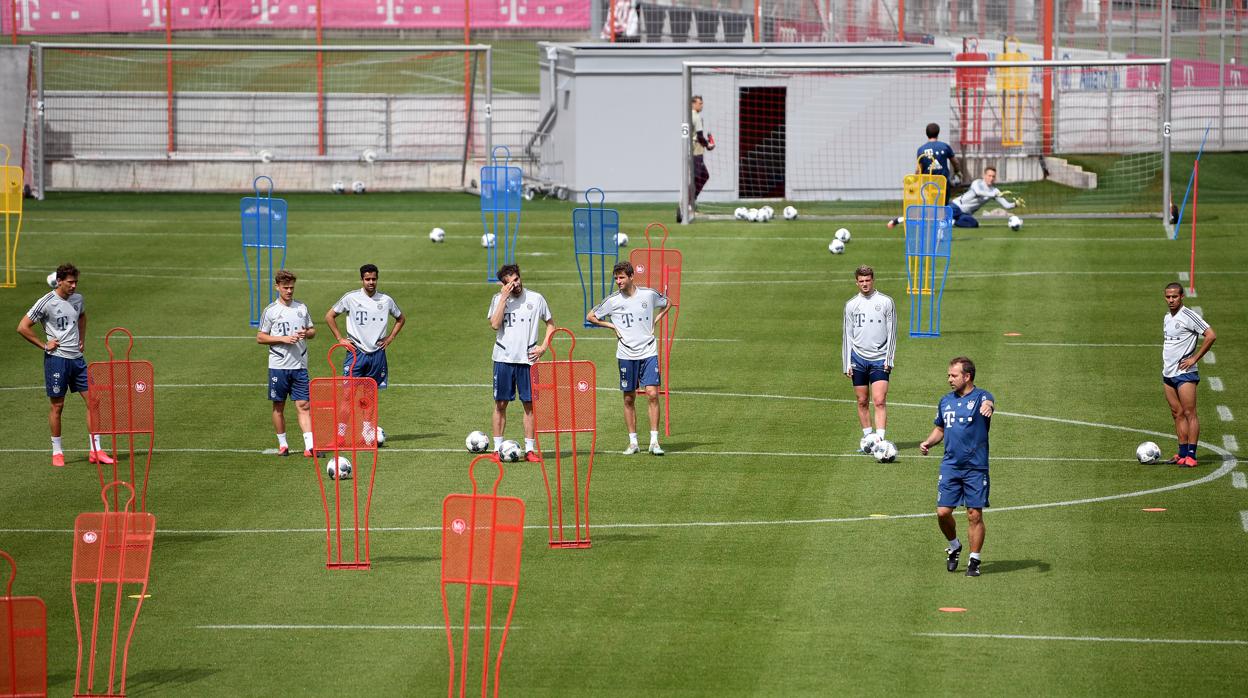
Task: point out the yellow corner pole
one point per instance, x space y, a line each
11 181
1012 83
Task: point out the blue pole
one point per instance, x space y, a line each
1190 179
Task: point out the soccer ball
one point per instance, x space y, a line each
266 156
843 234
381 436
751 215
767 213
510 452
621 239
357 186
790 213
52 280
370 156
338 469
437 235
1148 452
740 213
477 442
868 442
1015 223
339 187
487 240
836 247
884 451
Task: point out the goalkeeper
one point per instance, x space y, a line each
981 192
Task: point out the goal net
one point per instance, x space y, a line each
837 138
204 117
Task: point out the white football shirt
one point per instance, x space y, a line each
1182 331
633 317
870 329
518 331
59 317
280 320
978 195
367 317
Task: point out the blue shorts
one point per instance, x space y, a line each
62 376
962 487
367 366
288 382
962 219
1175 382
866 372
635 373
510 379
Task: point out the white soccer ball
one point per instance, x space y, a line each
266 156
751 215
621 239
868 442
357 186
369 433
510 452
1015 223
437 235
381 436
52 280
487 240
836 247
477 442
338 469
1148 452
884 451
790 213
768 211
339 187
370 156
842 234
740 213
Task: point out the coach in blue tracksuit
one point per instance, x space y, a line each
962 420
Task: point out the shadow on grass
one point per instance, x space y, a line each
1003 566
154 682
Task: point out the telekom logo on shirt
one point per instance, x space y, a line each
90 16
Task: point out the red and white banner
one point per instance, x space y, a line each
92 16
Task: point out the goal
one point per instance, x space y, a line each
150 117
1073 137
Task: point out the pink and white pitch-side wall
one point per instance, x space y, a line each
89 16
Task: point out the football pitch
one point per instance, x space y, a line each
761 556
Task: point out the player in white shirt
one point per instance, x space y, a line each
286 327
514 314
368 314
868 351
632 312
64 319
1181 328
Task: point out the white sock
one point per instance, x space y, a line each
498 442
654 437
866 431
974 556
281 441
632 437
880 432
56 445
955 544
307 441
95 442
530 445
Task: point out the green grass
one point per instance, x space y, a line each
814 598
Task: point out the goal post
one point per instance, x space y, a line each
836 138
195 117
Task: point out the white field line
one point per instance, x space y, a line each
1228 464
1224 413
1215 384
1076 344
1238 481
1209 358
1080 638
1230 443
252 338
